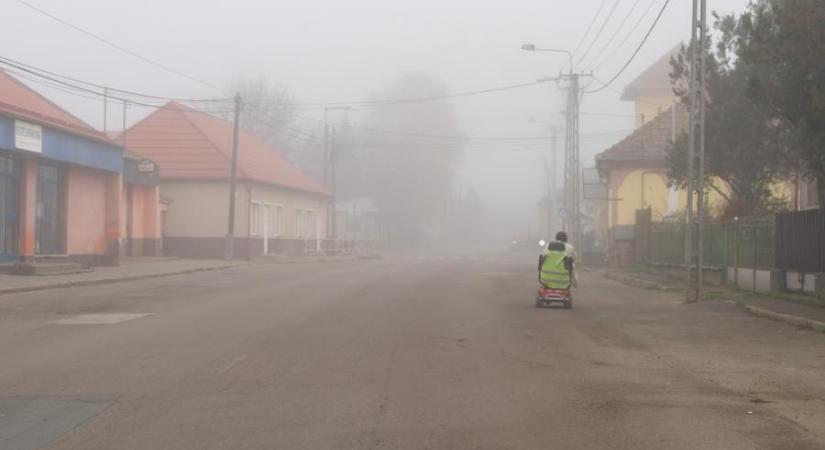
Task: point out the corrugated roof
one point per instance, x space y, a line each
657 76
652 140
189 144
22 102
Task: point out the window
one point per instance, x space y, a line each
257 219
299 223
277 221
310 222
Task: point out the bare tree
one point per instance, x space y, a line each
409 171
268 112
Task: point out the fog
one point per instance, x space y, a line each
324 51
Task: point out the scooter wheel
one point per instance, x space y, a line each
538 303
568 304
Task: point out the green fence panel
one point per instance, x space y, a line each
743 244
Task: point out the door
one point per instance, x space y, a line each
8 208
50 229
267 227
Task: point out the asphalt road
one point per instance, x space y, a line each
414 352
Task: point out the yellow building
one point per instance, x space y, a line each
652 91
635 170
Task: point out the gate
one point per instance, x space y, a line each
800 241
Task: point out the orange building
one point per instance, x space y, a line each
61 184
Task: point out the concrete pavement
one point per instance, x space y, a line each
399 353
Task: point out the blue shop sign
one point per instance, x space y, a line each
17 135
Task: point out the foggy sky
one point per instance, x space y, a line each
326 50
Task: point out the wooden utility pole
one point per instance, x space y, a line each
229 248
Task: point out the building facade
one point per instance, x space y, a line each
278 209
61 183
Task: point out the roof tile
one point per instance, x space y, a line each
652 140
19 100
189 144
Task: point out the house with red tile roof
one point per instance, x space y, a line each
635 168
62 185
279 209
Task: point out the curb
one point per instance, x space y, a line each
639 283
69 284
797 321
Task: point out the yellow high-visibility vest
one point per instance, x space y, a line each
554 274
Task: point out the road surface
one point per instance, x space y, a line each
417 352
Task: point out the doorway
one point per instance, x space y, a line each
50 238
9 198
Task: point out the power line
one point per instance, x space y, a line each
615 33
601 30
626 37
619 73
397 101
433 136
76 87
116 46
19 64
589 27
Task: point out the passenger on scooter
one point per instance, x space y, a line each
557 264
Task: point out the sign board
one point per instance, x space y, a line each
146 166
592 186
28 136
591 176
594 192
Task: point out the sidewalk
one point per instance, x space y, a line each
793 310
803 316
129 269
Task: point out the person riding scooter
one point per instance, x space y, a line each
557 264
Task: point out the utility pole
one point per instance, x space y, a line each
571 159
326 168
229 248
334 181
551 186
694 221
329 169
105 108
572 193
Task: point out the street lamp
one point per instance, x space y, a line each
533 48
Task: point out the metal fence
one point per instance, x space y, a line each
744 243
800 241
